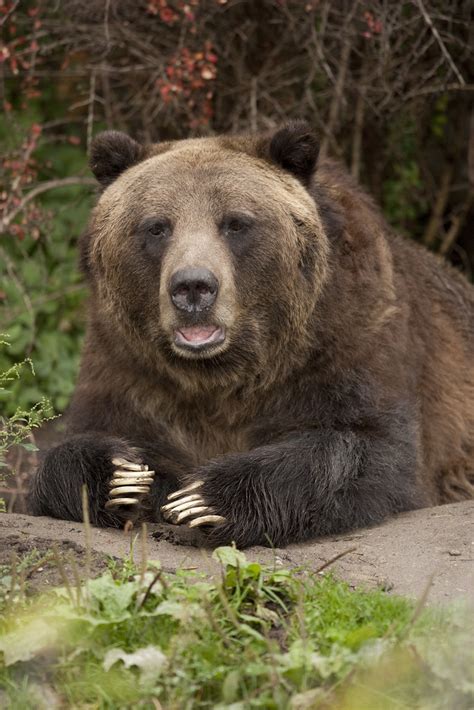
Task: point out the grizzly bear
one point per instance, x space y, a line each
265 361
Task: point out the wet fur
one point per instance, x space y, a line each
348 396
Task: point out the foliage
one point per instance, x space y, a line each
258 637
41 290
16 428
403 198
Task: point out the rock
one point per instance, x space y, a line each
430 547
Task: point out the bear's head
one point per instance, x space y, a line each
206 256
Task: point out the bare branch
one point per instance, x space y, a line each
90 112
358 126
38 190
442 45
434 224
456 224
341 78
253 104
10 12
437 89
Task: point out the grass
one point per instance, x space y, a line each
255 637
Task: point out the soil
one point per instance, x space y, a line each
36 560
430 549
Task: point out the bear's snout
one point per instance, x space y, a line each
193 289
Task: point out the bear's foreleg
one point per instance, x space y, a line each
315 483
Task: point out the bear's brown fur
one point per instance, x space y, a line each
343 390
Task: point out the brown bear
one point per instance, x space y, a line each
265 360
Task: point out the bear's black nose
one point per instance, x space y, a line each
193 289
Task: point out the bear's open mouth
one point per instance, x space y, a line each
199 337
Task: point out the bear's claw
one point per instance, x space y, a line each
184 508
206 520
129 479
191 487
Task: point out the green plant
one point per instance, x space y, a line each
42 293
259 636
404 201
14 429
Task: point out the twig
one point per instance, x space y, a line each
433 226
77 578
106 24
456 224
437 89
25 159
436 34
421 603
38 190
334 559
253 104
358 126
337 96
90 111
144 551
10 12
38 302
334 108
62 572
155 579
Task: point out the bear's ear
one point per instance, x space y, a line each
295 148
111 153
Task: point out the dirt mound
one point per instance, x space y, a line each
434 546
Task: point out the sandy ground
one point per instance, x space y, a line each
431 548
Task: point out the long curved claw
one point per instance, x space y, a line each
120 490
120 473
190 508
207 520
173 511
129 483
180 512
191 487
182 503
190 513
121 501
129 465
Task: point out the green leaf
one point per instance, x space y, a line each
180 610
230 686
28 446
34 636
230 557
150 660
111 598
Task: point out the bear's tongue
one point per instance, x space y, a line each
198 333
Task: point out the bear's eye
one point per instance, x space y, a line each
236 225
159 228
